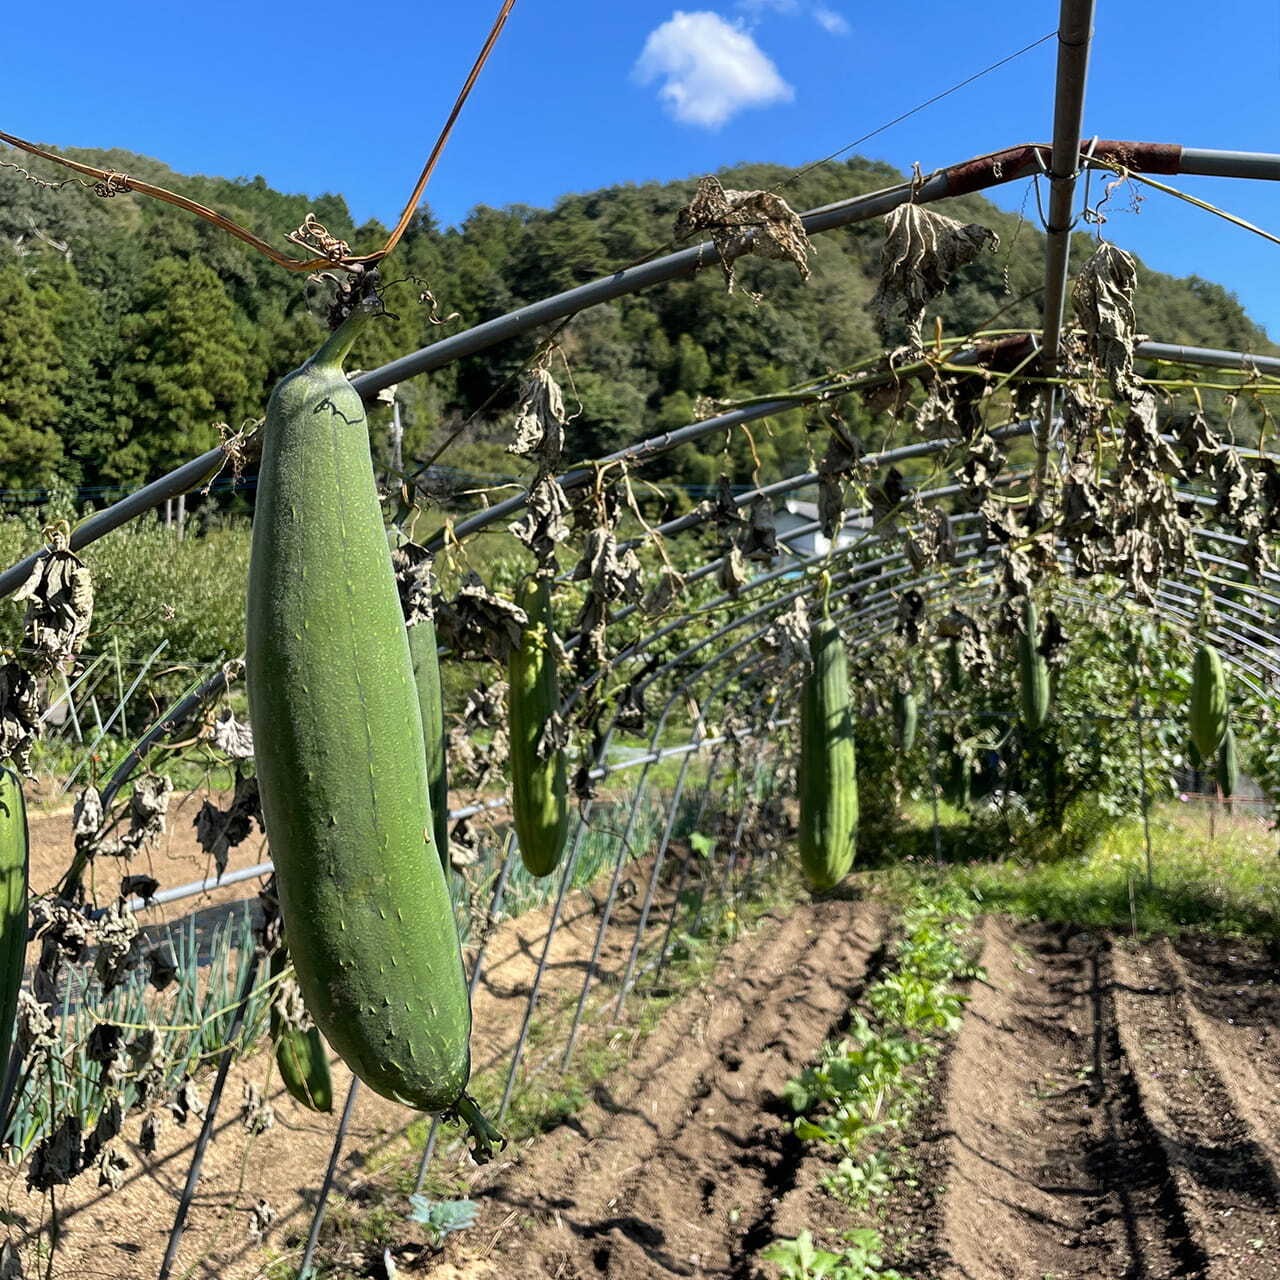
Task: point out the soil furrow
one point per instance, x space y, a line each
1223 1178
1243 1051
667 1176
1022 1198
1033 1157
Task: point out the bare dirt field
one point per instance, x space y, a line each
121 1235
1108 1110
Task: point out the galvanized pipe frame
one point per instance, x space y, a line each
969 176
676 695
1075 32
181 711
1247 670
564 881
881 605
801 563
218 682
1233 637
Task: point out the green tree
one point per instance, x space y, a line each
183 370
691 369
31 380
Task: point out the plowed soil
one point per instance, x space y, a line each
121 1235
1108 1111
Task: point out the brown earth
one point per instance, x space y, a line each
121 1235
676 1167
1107 1111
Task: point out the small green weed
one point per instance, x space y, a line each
440 1218
860 1259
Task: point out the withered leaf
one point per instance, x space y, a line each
477 624
150 1132
415 581
113 1164
760 541
231 737
187 1101
86 814
886 498
261 1216
139 886
35 1030
56 1158
732 575
117 930
256 1113
742 222
910 614
1103 302
110 1122
162 965
59 596
19 714
540 420
922 250
788 636
148 805
545 521
666 591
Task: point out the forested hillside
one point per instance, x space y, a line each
129 329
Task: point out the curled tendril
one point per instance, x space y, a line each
112 185
315 237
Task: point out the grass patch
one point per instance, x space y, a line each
1225 883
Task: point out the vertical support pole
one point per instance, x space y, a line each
566 877
624 846
1075 30
71 711
933 769
322 1204
651 888
1142 775
210 1115
684 866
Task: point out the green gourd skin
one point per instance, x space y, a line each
1228 765
906 718
539 787
13 902
1208 701
341 761
828 781
957 780
426 678
1033 670
300 1055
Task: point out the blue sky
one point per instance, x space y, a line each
582 93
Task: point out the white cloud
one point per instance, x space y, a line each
710 69
833 23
